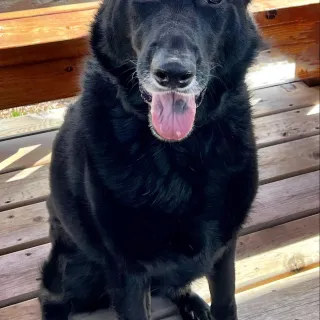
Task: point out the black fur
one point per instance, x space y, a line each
131 215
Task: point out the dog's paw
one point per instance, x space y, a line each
194 308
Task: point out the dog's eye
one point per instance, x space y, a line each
214 1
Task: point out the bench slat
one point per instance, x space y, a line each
62 43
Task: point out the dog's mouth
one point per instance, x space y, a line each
172 114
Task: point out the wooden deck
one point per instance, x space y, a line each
278 252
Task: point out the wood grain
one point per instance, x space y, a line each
31 185
28 310
295 298
23 187
25 40
18 8
276 203
273 253
19 272
286 97
289 159
31 124
283 201
265 101
284 249
29 151
286 126
23 227
28 84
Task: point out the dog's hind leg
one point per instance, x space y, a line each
53 302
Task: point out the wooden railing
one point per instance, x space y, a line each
42 50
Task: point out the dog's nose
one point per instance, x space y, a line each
173 73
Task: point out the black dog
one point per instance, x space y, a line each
154 169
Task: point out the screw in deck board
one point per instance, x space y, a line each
271 14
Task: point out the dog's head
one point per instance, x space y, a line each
176 48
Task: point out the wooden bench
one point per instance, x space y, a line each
48 46
278 252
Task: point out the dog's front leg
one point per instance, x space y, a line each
132 299
222 286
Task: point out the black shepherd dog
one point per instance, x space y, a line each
154 169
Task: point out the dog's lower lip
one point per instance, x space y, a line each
147 97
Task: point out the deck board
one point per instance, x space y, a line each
276 203
287 126
281 249
265 101
277 157
285 97
273 253
289 159
296 297
278 250
283 201
23 227
31 185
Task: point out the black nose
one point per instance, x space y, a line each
173 73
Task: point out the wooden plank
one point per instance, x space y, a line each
26 225
24 41
286 97
259 258
289 159
28 83
23 187
23 227
295 298
287 126
28 310
273 253
295 32
22 8
29 151
264 5
276 203
30 185
31 124
18 8
265 101
283 201
19 274
77 19
64 25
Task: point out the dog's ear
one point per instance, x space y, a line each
110 40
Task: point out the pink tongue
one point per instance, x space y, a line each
173 115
